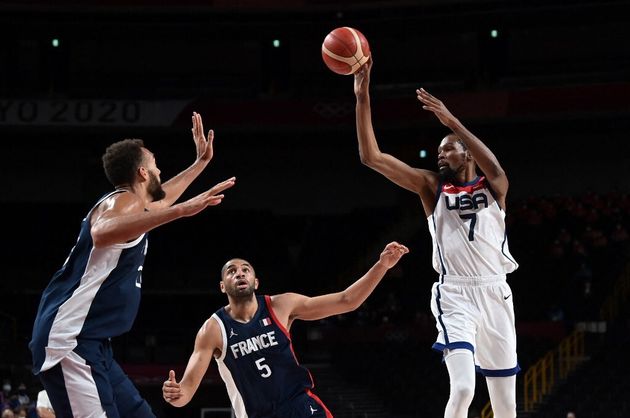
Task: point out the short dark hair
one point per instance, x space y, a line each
225 266
459 140
121 160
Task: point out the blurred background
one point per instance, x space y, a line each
544 83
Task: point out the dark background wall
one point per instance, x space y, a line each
548 95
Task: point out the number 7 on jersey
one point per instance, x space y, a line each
472 217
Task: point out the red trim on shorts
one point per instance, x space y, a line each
319 401
286 332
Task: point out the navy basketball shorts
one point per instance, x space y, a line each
89 383
304 405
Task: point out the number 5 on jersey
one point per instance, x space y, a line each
265 369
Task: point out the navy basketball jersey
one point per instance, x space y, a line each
468 231
95 295
257 363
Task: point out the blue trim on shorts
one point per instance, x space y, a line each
437 301
453 346
499 373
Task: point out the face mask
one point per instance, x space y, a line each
6 388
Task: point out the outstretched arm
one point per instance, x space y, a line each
208 340
485 159
122 217
293 306
178 184
402 174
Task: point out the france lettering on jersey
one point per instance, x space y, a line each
468 231
95 295
258 364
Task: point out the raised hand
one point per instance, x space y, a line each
362 80
436 106
392 253
205 150
171 390
209 198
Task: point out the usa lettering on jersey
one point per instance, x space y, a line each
466 201
254 344
468 231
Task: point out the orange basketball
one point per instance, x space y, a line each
345 50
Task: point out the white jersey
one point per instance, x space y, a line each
468 230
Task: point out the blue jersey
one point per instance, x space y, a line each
258 365
95 295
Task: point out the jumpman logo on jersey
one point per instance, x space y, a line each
312 410
232 333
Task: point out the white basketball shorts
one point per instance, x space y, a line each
477 313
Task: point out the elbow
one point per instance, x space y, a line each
349 303
367 159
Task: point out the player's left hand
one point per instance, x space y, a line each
204 146
392 253
436 106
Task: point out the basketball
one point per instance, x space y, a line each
345 50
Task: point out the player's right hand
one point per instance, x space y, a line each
362 80
171 390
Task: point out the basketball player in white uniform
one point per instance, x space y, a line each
471 301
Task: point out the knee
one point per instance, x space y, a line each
462 393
